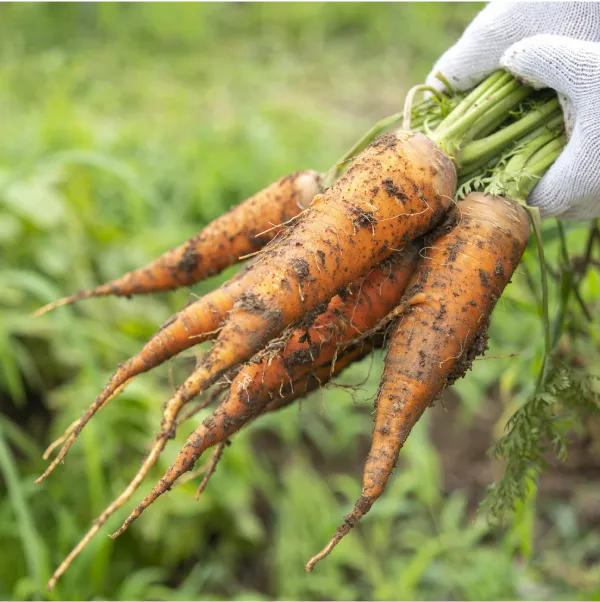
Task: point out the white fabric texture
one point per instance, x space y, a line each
500 24
570 189
547 44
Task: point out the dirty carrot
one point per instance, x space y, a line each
396 190
460 278
246 228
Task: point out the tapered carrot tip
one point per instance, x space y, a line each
108 512
164 485
129 520
339 534
71 434
362 506
58 303
212 467
48 452
58 459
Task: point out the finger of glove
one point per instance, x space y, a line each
499 25
569 66
571 187
477 53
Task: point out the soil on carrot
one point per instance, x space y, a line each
465 362
189 261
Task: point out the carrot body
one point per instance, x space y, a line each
273 372
450 298
245 228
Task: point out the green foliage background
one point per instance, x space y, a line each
124 129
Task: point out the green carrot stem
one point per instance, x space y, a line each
449 89
500 110
408 103
555 125
519 177
509 96
492 126
483 89
493 144
540 156
536 226
526 146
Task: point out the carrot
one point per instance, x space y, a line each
244 229
453 293
396 190
356 310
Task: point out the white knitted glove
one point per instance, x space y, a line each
547 44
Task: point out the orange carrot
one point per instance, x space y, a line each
450 299
247 227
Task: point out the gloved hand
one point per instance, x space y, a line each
546 44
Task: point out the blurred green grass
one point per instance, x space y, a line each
125 128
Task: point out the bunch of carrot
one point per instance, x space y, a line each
381 249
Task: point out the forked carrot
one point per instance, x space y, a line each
456 286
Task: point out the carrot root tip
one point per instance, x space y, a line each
53 305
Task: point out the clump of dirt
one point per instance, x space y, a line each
189 261
464 363
393 190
